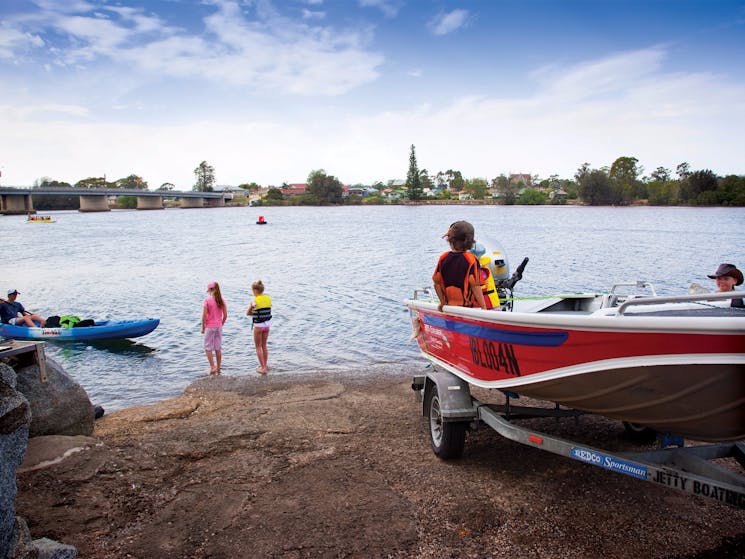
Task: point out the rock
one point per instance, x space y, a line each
48 450
15 417
50 549
59 406
7 375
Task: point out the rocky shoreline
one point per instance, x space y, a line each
335 465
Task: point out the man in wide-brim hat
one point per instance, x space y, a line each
727 277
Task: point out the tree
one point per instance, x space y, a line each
425 180
132 182
626 185
413 180
205 175
326 188
683 170
274 193
699 188
532 197
167 186
47 182
477 188
594 186
94 182
661 174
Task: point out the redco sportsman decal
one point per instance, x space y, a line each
494 355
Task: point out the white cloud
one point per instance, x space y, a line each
445 23
13 42
266 52
389 8
313 14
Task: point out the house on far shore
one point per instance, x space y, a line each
559 194
231 192
518 178
294 189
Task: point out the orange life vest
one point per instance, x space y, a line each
461 295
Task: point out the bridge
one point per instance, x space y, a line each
18 200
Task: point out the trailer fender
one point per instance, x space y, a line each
456 403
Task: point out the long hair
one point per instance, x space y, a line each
218 296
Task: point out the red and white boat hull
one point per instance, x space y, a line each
681 375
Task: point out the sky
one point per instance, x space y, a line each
269 91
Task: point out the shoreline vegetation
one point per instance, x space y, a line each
622 184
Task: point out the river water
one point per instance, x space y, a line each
337 277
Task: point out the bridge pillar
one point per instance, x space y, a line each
214 202
192 202
149 202
97 203
16 204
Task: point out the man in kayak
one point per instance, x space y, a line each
10 310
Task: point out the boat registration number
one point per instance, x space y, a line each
496 356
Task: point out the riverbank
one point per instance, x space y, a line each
340 466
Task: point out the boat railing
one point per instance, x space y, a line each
424 291
678 299
639 284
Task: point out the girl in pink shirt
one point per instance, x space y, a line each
214 315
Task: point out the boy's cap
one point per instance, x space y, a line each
459 231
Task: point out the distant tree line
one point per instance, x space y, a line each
622 183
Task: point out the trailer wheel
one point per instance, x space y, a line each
639 433
447 437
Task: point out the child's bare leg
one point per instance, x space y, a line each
218 359
211 360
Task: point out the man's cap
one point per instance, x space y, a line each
11 291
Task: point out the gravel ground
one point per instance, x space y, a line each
340 466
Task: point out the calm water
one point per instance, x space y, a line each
337 277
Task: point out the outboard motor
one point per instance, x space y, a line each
508 284
500 269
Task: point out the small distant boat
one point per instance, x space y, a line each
101 330
261 220
40 219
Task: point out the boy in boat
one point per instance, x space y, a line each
11 309
457 274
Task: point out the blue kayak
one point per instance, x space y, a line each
103 330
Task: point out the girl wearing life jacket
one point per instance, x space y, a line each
457 274
261 311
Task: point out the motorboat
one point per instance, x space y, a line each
670 364
100 330
40 219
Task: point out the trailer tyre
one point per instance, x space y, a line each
447 437
639 433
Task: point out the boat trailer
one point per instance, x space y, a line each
451 409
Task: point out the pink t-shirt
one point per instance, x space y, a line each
214 313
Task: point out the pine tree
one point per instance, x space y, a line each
413 180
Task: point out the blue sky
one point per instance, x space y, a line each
269 91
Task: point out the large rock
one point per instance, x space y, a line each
15 417
59 406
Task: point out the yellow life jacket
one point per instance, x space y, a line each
491 297
262 309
